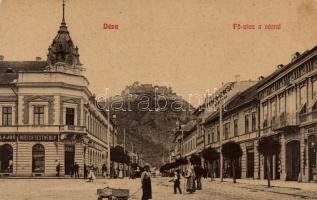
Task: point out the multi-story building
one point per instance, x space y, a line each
48 115
288 111
240 124
283 105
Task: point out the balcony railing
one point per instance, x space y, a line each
200 140
285 121
72 129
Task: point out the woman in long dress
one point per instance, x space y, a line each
190 186
91 175
146 184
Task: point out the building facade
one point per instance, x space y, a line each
282 105
48 116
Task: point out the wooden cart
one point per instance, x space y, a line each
113 194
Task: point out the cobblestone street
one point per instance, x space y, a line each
36 189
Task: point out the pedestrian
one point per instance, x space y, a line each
190 185
177 182
76 170
104 170
58 169
91 175
72 170
146 184
85 171
198 175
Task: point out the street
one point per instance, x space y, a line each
36 189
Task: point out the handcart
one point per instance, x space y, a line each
113 194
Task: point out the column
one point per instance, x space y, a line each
244 161
283 158
304 167
256 160
262 166
274 166
79 157
57 110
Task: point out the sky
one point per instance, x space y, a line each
189 45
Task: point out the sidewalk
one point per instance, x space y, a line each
291 188
275 183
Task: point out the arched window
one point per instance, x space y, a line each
38 158
6 159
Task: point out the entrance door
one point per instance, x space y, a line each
6 159
250 163
266 164
292 160
312 157
69 158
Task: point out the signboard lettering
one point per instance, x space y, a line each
38 137
8 137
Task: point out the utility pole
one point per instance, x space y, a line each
108 140
123 151
124 139
220 141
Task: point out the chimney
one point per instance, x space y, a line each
261 78
1 57
38 58
280 66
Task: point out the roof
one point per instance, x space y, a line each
9 69
286 67
244 97
186 129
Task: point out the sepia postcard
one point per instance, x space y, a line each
158 99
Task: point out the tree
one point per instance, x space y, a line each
210 155
117 154
195 159
269 146
232 152
181 161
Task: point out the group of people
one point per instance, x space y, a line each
193 176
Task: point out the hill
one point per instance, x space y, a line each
148 114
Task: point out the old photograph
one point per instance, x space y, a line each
158 99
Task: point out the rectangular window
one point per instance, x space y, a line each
282 104
212 135
235 127
246 123
218 133
70 116
303 95
38 115
208 138
253 121
273 107
226 130
265 113
6 116
315 89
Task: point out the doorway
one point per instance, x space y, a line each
69 159
292 160
6 159
250 163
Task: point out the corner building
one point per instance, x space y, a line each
49 116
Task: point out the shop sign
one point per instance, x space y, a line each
38 137
8 137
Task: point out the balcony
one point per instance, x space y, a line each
287 122
308 117
72 129
200 140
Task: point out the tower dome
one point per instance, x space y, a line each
62 48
